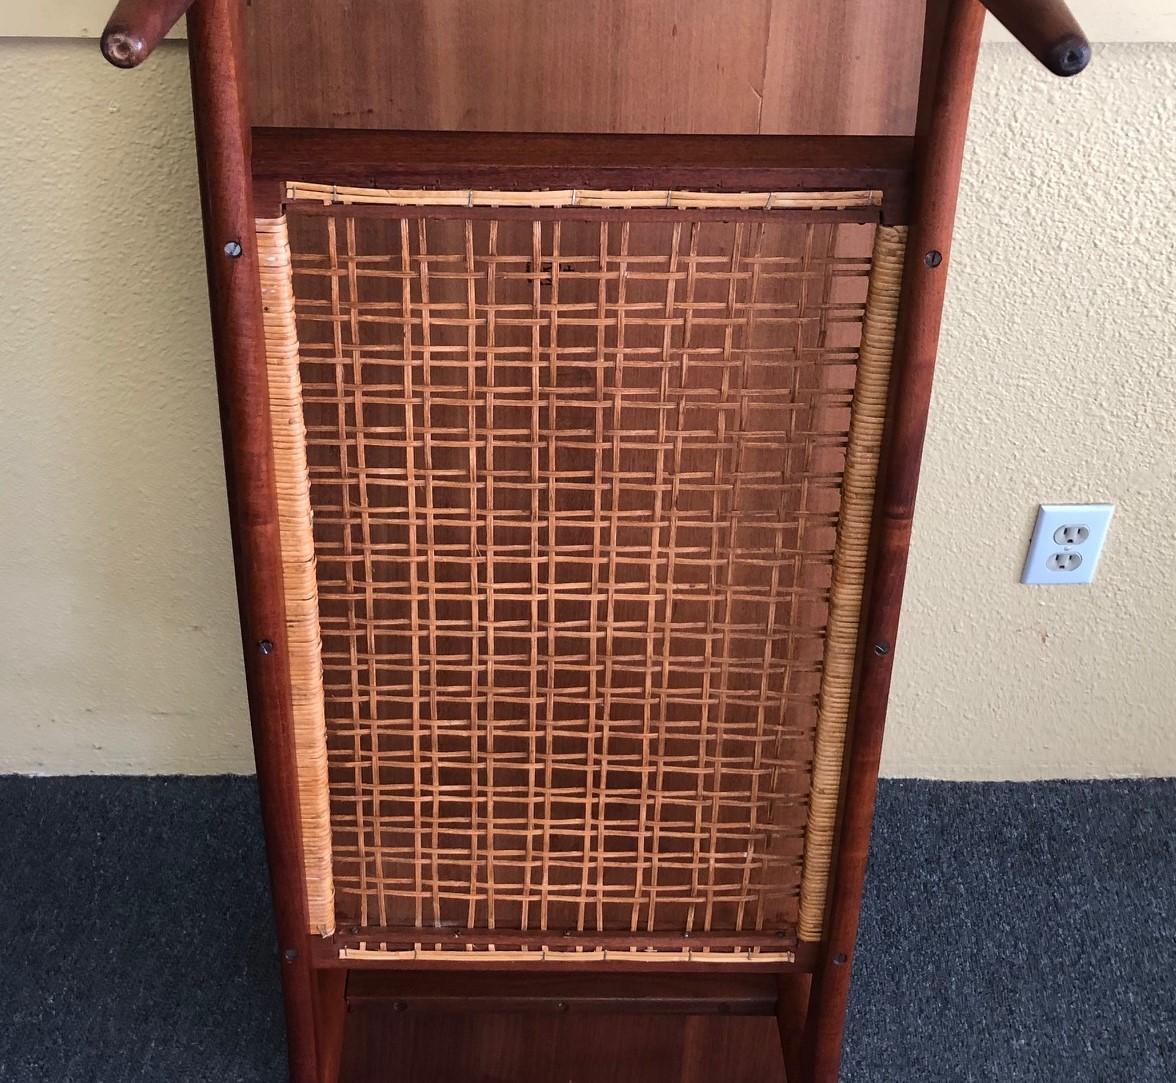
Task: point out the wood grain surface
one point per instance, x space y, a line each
388 1046
771 66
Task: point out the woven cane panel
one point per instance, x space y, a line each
575 489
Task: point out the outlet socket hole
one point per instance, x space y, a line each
1064 562
1071 534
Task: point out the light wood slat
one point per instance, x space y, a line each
341 195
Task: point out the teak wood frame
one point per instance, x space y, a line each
241 173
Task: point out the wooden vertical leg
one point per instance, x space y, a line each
330 1016
793 992
223 151
950 53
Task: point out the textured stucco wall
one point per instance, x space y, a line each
118 641
1057 382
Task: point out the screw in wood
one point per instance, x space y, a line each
233 249
933 258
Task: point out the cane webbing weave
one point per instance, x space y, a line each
576 489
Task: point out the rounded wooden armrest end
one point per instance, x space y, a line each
137 27
1048 29
124 48
1069 56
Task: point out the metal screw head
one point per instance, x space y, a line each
840 959
933 258
291 954
881 649
233 249
265 646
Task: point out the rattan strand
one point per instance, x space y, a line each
849 570
575 489
542 953
578 197
298 569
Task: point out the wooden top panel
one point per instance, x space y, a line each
847 67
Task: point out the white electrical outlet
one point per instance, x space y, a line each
1067 542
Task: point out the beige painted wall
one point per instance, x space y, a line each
1057 382
118 641
118 648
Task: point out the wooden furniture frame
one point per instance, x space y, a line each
245 175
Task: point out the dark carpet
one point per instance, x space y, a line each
1010 932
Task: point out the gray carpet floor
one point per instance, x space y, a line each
1010 933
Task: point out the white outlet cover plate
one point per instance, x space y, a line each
1049 552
